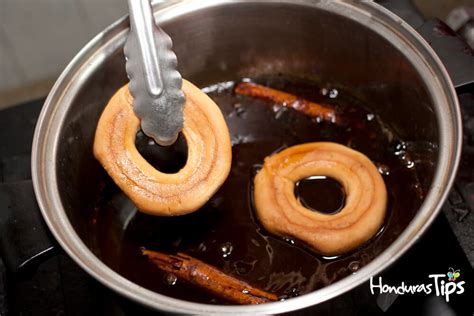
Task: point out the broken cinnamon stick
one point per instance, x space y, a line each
209 278
287 100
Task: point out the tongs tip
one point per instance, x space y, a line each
155 83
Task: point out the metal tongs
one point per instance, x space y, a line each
155 84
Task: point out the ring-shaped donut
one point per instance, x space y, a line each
281 213
153 192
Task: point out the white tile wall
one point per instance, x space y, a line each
39 37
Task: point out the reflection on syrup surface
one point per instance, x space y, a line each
225 232
320 194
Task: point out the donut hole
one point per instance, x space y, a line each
167 159
320 194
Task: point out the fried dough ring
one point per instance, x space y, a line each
153 192
329 234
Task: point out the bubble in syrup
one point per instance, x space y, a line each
245 291
151 142
383 169
171 279
400 149
240 112
202 247
236 140
280 112
226 249
407 161
237 111
294 292
370 117
317 119
324 91
289 240
243 267
333 93
418 189
354 266
298 105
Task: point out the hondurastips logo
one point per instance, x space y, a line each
436 284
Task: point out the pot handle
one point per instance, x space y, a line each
24 239
453 51
404 9
451 48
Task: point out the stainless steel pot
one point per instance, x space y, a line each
356 44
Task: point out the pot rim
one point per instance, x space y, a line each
373 16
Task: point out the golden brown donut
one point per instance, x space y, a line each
153 192
329 234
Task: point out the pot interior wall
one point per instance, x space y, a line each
232 41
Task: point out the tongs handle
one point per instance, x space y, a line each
142 21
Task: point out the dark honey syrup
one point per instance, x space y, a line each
225 232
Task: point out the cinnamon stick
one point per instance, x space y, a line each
209 278
285 99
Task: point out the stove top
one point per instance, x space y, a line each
58 286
